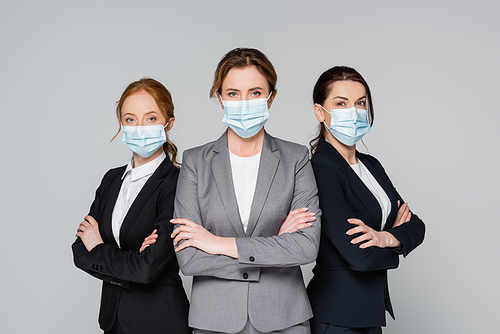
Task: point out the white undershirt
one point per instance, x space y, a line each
133 181
375 188
245 171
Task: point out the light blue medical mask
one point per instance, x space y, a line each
144 140
246 117
348 125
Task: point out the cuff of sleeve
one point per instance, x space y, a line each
246 257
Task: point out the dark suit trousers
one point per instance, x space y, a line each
322 328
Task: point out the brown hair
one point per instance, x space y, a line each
162 98
323 88
240 58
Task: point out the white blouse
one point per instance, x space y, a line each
245 171
133 181
375 188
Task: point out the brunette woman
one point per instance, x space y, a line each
142 291
366 225
247 212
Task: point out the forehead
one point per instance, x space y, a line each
348 89
244 78
139 102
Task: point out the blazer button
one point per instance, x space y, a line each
252 259
245 275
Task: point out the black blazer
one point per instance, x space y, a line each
143 289
349 287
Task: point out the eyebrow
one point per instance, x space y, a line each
362 97
345 98
132 114
237 90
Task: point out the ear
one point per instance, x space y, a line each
220 100
170 123
319 112
271 99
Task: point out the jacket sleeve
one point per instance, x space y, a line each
119 266
336 210
410 234
289 249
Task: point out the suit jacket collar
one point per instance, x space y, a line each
358 187
132 215
221 170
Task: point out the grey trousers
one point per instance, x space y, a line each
302 328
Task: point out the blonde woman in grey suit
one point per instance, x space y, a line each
247 213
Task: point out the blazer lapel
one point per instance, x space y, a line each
268 166
142 198
106 219
357 186
387 188
221 170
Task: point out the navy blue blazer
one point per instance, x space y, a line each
143 289
349 287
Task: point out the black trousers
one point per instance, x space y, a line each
116 329
322 328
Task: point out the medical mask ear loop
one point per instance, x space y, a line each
368 114
324 121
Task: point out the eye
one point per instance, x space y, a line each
361 103
341 104
129 120
152 119
255 93
232 94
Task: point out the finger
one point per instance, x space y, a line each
354 230
84 225
368 244
185 244
151 238
149 241
181 236
181 228
302 218
408 218
299 210
355 221
143 247
292 214
301 226
361 238
182 221
91 220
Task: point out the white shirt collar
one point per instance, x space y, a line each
144 170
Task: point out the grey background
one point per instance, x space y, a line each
433 70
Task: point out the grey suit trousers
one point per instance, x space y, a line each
302 328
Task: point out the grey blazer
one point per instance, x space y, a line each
265 283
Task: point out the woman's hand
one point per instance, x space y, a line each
370 237
403 215
296 220
197 236
149 240
88 231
